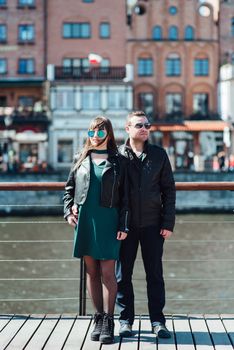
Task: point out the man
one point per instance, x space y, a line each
152 199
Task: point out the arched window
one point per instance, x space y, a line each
189 33
173 33
157 33
145 66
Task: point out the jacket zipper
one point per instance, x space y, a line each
126 222
113 187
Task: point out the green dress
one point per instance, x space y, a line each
96 231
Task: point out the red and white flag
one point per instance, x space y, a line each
94 58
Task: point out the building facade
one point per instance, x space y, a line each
174 48
23 121
80 89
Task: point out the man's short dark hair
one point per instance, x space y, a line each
135 114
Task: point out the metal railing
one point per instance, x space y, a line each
57 186
90 73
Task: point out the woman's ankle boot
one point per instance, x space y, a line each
107 333
97 320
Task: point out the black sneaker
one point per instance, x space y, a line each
97 320
161 331
107 333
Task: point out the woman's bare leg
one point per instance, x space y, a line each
94 284
109 285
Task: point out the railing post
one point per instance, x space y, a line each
82 299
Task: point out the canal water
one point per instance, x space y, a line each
38 274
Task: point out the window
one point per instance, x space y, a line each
3 66
173 33
26 66
26 101
201 103
189 33
26 32
3 2
232 26
116 99
76 30
104 30
201 67
232 58
77 65
88 1
26 2
3 101
64 99
173 66
173 103
157 33
145 67
146 103
65 151
3 33
91 99
172 10
105 65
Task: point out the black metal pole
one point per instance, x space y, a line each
82 298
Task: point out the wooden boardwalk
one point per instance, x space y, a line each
189 332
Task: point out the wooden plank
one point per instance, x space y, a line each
131 343
228 321
43 332
218 333
60 331
168 344
200 333
78 333
184 338
9 332
26 332
147 338
4 319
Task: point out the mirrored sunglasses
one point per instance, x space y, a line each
140 125
100 133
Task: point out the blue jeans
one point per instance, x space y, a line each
152 250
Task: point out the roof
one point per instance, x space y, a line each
213 125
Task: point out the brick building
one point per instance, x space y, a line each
80 90
161 56
23 124
176 64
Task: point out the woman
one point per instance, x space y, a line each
97 186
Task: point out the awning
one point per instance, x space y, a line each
190 126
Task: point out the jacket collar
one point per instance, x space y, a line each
129 152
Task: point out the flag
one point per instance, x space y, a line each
94 59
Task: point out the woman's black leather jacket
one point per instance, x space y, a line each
114 187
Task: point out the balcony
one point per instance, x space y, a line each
10 117
90 73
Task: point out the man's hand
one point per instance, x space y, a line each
121 235
165 233
72 220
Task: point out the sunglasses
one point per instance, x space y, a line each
140 125
100 133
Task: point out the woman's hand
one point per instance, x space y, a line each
121 235
75 210
72 220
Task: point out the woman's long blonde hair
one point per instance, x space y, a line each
99 122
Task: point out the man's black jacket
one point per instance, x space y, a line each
152 187
114 187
